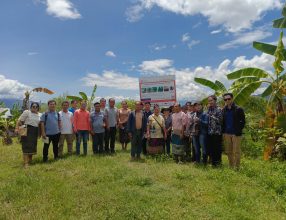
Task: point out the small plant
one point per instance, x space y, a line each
280 148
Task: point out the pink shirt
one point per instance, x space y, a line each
179 120
81 120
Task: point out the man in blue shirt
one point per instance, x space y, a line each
147 112
51 126
97 125
233 124
73 107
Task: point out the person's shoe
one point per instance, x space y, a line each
133 159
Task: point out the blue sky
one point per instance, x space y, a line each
68 45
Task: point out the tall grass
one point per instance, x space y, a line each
112 187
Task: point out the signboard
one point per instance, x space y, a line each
159 89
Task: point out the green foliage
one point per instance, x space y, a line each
267 48
83 97
280 148
130 103
252 72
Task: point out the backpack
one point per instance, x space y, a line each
46 117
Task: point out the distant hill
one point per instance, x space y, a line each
10 102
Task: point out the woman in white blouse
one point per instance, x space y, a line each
31 119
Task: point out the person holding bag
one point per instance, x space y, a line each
28 128
156 132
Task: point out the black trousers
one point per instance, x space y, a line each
55 140
109 139
214 148
97 143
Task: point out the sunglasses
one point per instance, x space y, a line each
227 99
34 106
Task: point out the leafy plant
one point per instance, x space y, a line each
26 100
280 148
83 97
248 80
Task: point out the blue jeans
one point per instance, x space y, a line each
200 141
82 135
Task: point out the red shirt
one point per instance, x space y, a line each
81 120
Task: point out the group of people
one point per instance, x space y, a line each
195 133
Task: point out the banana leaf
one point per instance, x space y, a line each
71 97
250 71
83 95
243 95
207 83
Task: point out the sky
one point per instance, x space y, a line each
68 46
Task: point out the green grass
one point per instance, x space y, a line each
112 187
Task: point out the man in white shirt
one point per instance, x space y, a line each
111 114
66 129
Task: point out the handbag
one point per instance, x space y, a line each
23 131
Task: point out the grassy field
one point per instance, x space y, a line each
112 187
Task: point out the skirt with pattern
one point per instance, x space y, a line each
155 146
178 147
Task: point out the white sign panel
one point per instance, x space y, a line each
159 89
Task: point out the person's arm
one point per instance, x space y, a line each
75 121
149 122
129 126
91 123
43 130
21 120
164 128
242 118
88 121
106 115
184 124
117 117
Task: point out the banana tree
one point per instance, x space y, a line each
26 100
5 125
248 80
83 97
218 87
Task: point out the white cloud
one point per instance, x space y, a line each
111 79
245 38
134 13
155 66
187 89
10 88
157 47
233 15
62 9
216 31
110 54
193 43
32 53
185 37
264 61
